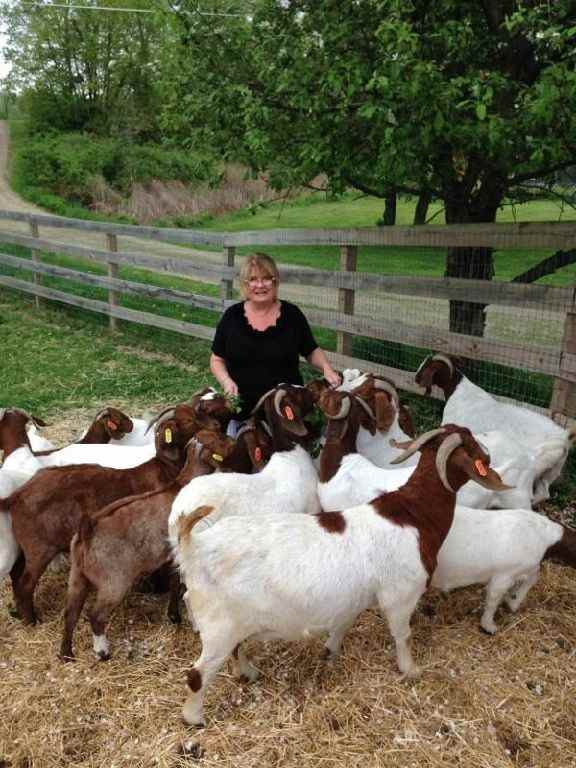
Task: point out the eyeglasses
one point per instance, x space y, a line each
265 281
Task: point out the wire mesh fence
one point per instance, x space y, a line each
378 298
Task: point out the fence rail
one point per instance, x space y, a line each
348 285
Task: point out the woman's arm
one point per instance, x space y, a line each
220 373
319 360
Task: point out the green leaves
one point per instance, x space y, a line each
382 92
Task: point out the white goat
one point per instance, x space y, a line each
287 485
470 405
348 478
502 549
9 549
293 576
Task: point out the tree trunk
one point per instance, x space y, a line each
422 208
471 263
389 216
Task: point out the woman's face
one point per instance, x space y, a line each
261 288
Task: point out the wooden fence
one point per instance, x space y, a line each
219 267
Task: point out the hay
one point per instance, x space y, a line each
482 702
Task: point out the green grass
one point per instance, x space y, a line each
353 211
60 360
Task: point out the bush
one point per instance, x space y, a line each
66 165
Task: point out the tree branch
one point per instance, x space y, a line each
546 267
374 193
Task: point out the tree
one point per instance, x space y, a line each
80 68
455 100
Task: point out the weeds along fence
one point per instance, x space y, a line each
364 310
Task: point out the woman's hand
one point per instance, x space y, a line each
332 377
230 387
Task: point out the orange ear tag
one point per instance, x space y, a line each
481 468
257 453
289 413
168 436
217 457
111 426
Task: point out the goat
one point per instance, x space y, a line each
9 482
46 511
472 406
347 477
292 576
127 540
394 421
502 549
13 429
20 457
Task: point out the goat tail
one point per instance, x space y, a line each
186 523
564 550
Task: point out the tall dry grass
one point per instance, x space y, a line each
170 199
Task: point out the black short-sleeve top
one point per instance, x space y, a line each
259 360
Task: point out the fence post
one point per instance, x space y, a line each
112 245
563 401
36 258
227 286
348 260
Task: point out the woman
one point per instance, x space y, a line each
258 341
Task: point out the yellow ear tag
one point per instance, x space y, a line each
257 453
168 435
217 457
481 468
289 413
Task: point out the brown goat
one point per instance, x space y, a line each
47 510
13 429
284 409
212 413
128 540
345 414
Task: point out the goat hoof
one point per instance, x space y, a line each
66 658
175 618
104 656
489 632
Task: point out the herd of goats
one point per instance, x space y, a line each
270 542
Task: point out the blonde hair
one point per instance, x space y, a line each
260 264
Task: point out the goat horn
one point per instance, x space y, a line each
259 403
386 387
248 426
157 418
417 444
277 398
366 407
450 444
266 427
446 361
102 413
344 408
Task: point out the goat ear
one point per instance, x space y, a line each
384 411
484 475
405 421
39 422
